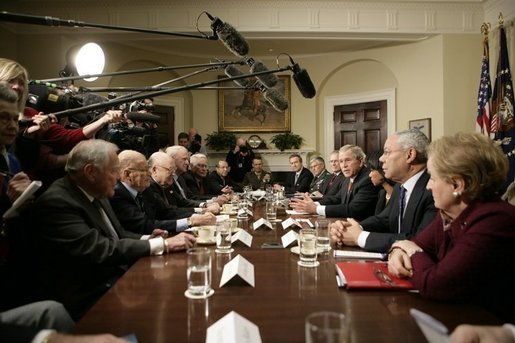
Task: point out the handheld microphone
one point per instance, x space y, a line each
143 117
276 99
302 80
256 66
232 71
231 38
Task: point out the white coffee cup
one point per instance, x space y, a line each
206 233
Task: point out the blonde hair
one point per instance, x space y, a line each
473 157
9 70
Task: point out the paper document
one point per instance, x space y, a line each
26 195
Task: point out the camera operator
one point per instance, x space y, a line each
239 160
42 148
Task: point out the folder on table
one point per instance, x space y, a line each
369 275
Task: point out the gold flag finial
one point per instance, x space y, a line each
501 19
485 28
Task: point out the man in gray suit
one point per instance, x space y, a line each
81 246
411 207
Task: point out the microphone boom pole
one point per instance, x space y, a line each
118 101
51 21
139 71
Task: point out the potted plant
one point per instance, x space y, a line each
287 140
220 140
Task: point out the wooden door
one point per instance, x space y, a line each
166 126
363 124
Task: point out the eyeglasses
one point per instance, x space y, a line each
389 152
169 170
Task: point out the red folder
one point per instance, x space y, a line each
369 275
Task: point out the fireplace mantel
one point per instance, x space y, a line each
273 160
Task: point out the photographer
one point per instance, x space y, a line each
239 160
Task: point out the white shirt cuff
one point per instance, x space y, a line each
182 224
42 335
510 327
198 210
320 210
157 246
362 238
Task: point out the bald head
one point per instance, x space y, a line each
134 169
162 168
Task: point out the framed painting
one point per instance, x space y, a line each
424 125
247 110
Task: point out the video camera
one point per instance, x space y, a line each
139 133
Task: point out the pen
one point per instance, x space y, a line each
6 173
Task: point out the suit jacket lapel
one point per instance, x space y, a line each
413 203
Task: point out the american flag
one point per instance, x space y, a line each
484 94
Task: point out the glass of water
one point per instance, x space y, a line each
323 241
271 211
223 237
326 326
308 248
199 273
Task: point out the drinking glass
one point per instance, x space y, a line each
323 241
271 211
327 327
307 248
199 273
223 237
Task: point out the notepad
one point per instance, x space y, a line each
359 254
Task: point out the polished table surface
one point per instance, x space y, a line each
149 299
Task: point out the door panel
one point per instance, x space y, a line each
363 124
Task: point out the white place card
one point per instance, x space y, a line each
233 328
261 222
289 238
238 266
290 222
292 212
242 236
243 211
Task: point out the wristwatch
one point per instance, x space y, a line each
254 141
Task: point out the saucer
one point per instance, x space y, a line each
296 250
232 213
206 242
191 296
310 265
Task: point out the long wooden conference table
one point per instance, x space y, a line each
149 300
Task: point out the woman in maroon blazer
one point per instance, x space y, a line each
467 253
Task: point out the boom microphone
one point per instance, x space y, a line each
143 117
256 66
302 80
276 99
231 38
232 71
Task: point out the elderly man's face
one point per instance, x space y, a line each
182 161
335 163
295 164
394 159
163 172
200 169
316 167
8 122
105 178
139 174
222 168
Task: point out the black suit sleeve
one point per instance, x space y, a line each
362 204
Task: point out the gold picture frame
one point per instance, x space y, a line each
248 111
424 125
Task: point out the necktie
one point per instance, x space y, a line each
296 178
180 189
163 195
201 187
402 199
139 201
331 180
106 219
349 188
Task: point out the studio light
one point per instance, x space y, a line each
90 60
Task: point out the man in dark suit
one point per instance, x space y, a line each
299 179
333 183
219 182
138 209
411 206
357 196
179 187
82 249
